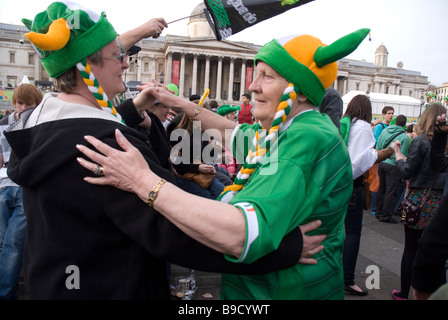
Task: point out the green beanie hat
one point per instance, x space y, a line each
307 63
226 109
66 33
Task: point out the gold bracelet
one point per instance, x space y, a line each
153 194
197 111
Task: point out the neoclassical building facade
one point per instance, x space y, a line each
378 77
198 61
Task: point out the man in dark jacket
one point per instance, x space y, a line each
332 105
387 171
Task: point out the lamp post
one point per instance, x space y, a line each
161 77
422 103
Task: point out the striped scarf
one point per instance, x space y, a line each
261 144
95 88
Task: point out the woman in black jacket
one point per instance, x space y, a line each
423 181
438 158
429 271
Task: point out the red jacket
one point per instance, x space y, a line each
245 115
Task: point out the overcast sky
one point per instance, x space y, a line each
413 31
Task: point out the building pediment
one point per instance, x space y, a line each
208 44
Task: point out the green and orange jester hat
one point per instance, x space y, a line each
64 35
311 68
307 63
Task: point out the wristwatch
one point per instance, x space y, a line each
153 194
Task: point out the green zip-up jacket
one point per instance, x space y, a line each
306 175
385 140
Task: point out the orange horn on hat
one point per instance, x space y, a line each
56 38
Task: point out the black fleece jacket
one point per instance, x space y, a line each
118 243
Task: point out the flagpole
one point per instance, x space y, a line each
194 15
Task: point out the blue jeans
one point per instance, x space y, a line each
12 240
400 195
373 203
212 192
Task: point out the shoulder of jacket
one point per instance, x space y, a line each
406 137
421 141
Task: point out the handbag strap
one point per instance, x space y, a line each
429 190
389 142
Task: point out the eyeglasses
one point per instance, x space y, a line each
120 58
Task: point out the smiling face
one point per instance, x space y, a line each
109 72
267 90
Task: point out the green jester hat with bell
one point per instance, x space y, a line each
64 35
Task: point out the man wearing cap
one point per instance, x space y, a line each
85 241
295 169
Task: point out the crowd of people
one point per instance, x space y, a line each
271 195
5 113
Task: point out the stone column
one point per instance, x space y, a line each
231 72
37 67
243 77
393 88
182 76
195 74
344 89
219 79
154 72
169 68
207 73
139 65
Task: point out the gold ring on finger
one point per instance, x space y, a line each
99 170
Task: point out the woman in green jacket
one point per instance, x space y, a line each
296 168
